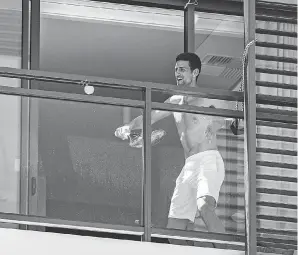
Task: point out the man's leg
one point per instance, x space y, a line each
206 207
180 224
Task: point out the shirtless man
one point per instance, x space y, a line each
198 185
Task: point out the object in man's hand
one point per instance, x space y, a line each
236 130
136 140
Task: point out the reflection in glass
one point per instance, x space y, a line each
10 56
90 174
11 34
9 153
83 172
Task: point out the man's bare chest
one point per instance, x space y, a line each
190 120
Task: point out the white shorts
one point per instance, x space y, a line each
202 175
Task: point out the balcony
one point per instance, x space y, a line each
64 171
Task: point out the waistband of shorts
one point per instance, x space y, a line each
202 154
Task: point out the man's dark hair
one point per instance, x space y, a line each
192 58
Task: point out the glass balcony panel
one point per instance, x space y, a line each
78 169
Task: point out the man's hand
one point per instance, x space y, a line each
237 127
123 132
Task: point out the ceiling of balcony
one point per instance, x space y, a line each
124 42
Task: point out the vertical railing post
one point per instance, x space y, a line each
147 130
189 27
250 131
36 199
24 132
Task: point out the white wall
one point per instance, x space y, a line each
16 242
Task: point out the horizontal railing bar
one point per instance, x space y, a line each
273 248
274 5
112 101
276 124
277 116
70 97
234 179
259 150
277 59
276 178
281 192
240 138
276 45
265 163
230 206
277 151
278 241
131 103
279 205
223 218
277 111
239 163
274 9
275 32
277 191
108 82
278 165
278 232
199 236
276 85
229 136
202 92
97 81
197 110
277 138
276 19
232 172
233 183
276 100
277 218
279 237
68 224
108 228
262 114
47 76
276 71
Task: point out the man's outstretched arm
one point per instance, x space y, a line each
137 123
156 115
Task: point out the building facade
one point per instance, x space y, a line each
60 162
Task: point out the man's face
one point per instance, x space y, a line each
184 75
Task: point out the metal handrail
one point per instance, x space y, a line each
117 83
14 218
